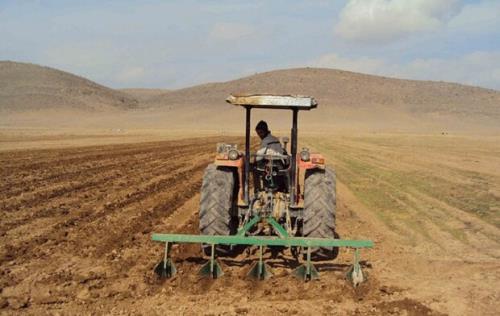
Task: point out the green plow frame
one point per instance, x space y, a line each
260 270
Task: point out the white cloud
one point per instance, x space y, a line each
230 31
482 17
386 20
478 68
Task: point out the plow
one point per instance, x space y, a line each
270 200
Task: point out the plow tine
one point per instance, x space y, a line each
166 268
212 268
260 270
355 274
307 271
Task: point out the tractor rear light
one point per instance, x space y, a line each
221 156
233 154
304 155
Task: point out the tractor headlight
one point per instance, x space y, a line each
304 155
233 154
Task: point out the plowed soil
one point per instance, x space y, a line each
76 228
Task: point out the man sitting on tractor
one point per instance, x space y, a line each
270 160
269 144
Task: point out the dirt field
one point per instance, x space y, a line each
76 226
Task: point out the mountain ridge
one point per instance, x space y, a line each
346 100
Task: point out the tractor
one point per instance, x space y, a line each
269 200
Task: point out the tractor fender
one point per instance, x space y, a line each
316 161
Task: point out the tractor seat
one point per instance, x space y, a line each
266 156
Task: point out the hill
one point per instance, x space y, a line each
348 99
29 87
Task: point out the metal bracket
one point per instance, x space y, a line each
243 230
277 227
262 240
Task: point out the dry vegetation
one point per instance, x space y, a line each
144 95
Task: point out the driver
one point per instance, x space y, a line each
269 144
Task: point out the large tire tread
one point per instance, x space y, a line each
319 210
217 204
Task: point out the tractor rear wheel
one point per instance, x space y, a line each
319 210
218 205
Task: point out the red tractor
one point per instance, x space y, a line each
291 206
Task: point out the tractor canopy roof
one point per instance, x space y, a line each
270 101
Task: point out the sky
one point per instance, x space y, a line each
175 44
